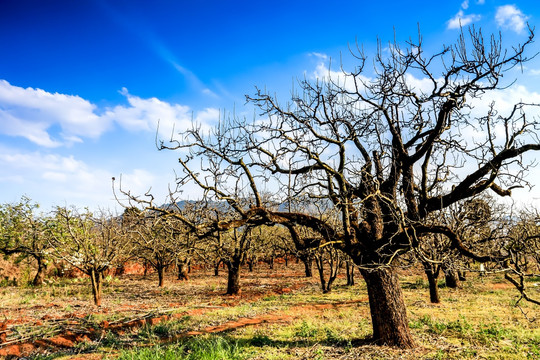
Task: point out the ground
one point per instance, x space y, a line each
280 314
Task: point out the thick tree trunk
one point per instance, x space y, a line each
233 278
388 312
95 279
41 271
433 288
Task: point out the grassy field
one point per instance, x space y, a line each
280 315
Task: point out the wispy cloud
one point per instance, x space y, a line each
460 20
154 43
510 17
36 115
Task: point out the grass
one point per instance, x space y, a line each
211 348
479 320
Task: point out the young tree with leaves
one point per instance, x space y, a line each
24 233
91 243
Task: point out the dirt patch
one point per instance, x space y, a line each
501 286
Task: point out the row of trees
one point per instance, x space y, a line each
96 243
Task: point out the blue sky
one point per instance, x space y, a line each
83 83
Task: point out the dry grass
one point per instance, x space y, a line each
297 321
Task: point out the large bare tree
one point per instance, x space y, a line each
386 146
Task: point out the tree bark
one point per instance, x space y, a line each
451 278
216 268
183 270
388 312
271 262
233 278
161 273
41 271
95 278
433 288
324 286
349 266
307 260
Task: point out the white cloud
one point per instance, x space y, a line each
510 17
31 113
461 20
481 2
53 179
149 114
319 55
36 115
465 5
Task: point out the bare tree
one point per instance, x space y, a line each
157 240
523 246
383 151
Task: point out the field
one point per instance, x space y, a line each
279 315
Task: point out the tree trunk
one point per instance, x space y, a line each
233 277
307 260
433 288
388 312
216 268
462 275
349 266
41 271
161 273
95 278
250 265
183 270
451 278
320 267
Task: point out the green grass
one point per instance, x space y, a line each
211 348
478 320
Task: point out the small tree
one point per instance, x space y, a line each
156 240
23 232
92 244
